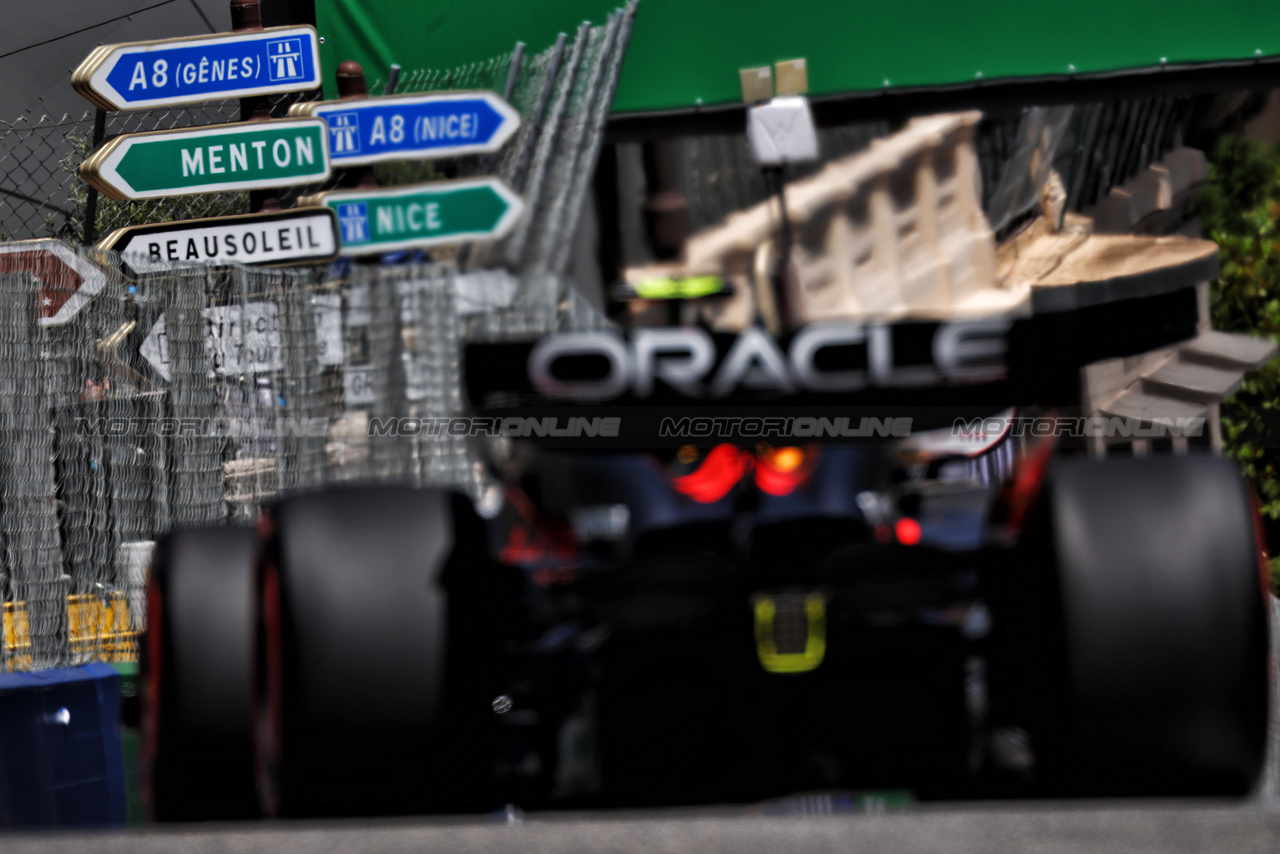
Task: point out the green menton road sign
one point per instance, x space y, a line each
422 215
244 156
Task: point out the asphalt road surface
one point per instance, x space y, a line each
798 824
1160 828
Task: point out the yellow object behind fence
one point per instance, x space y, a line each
98 629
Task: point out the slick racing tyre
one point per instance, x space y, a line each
197 668
357 588
1158 633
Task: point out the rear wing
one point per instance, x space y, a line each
927 372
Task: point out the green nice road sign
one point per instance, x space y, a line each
243 156
372 221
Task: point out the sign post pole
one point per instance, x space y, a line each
246 16
352 87
91 197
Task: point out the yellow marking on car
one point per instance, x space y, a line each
678 287
768 639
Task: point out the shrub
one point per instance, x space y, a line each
1240 208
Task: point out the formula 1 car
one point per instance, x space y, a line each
711 620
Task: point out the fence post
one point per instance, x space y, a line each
90 232
508 90
491 159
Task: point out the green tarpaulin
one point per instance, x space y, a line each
687 52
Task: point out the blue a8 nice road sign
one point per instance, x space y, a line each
143 75
413 127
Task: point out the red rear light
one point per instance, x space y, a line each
780 470
718 474
907 531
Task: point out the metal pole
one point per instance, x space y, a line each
90 233
351 86
535 118
393 77
509 89
513 71
247 16
666 210
777 177
491 159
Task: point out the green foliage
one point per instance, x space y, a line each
396 172
1240 208
112 214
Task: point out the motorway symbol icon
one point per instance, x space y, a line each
168 72
354 217
413 127
284 59
422 215
294 236
243 156
67 281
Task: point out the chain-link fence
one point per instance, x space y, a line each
41 194
195 395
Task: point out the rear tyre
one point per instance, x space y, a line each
361 646
1157 632
197 665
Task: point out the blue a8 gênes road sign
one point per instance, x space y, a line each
145 75
413 127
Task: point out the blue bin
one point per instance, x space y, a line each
60 757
